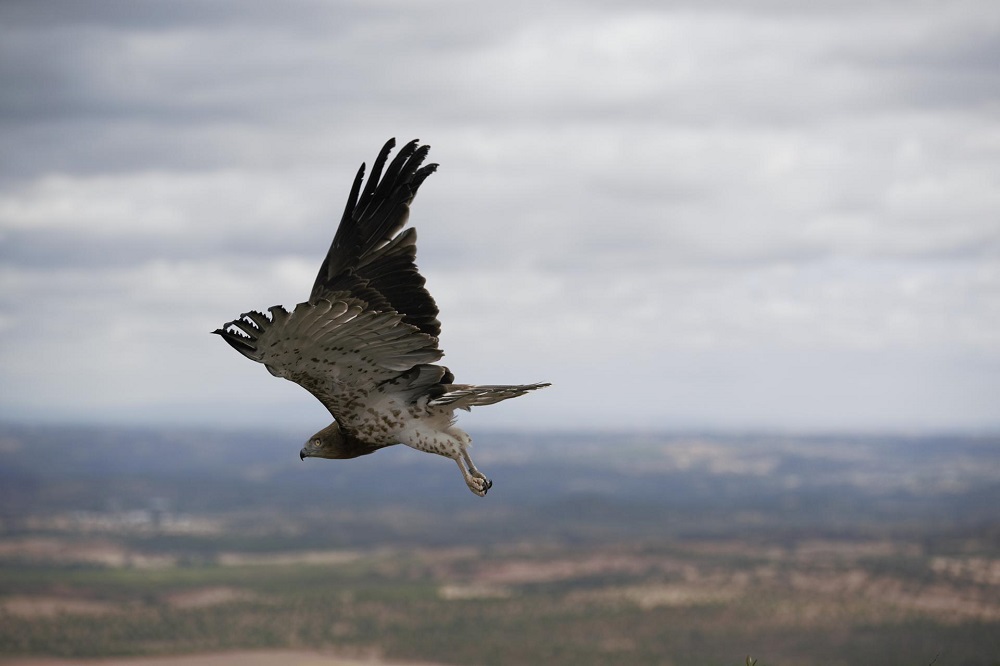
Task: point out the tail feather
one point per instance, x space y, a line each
464 396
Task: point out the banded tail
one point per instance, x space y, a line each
464 396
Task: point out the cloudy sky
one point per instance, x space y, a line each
726 214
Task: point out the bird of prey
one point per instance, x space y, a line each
366 341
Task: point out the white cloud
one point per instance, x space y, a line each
693 213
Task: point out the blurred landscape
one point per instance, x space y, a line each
610 548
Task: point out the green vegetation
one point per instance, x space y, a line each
555 606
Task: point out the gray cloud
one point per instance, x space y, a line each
725 213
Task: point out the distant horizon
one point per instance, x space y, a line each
676 430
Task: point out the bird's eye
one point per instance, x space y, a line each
316 442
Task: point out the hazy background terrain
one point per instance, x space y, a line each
685 549
754 245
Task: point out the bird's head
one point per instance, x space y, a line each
327 443
333 443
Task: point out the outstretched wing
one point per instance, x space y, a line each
369 259
338 351
369 317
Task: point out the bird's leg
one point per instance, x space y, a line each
476 480
477 484
453 444
473 470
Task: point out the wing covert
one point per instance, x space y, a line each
335 350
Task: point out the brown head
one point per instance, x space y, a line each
331 442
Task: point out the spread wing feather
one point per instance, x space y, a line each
367 258
337 350
369 318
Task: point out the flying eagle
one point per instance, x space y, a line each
366 341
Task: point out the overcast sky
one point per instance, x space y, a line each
727 214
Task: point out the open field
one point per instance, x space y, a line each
682 603
259 658
719 559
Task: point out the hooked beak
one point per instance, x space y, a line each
302 454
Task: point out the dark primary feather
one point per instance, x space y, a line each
367 259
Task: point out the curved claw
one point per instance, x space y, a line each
480 486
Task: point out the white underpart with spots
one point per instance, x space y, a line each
435 433
423 427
